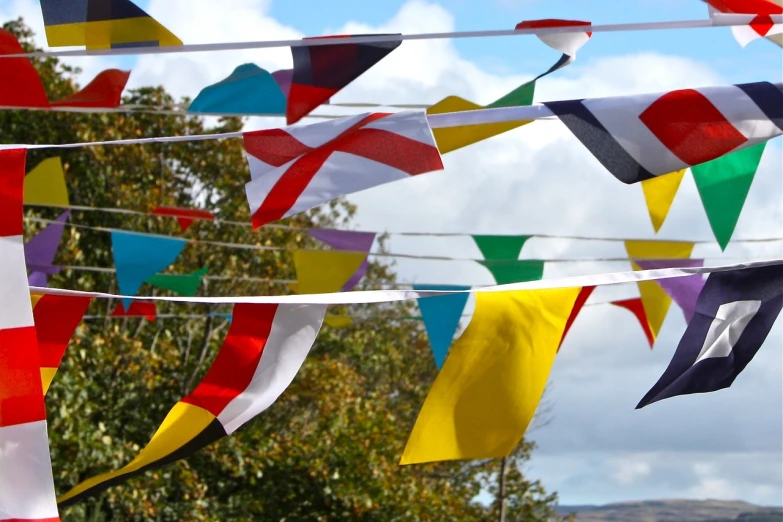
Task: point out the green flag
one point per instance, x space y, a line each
723 185
514 270
522 95
500 247
185 284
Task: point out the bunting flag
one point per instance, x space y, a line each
761 26
325 271
42 248
581 299
683 290
20 85
56 319
659 193
491 383
453 138
500 247
636 307
104 92
137 257
185 216
337 321
734 315
262 353
723 186
102 24
299 168
441 316
249 89
144 309
347 240
45 184
182 284
26 482
643 136
506 271
655 300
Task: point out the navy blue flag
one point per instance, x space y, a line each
734 314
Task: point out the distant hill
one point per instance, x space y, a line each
675 511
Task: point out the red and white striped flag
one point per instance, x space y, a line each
298 168
26 483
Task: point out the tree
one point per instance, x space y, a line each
328 449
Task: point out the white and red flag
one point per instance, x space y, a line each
298 168
761 26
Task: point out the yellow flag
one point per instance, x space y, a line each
337 321
45 184
655 300
453 138
322 271
489 387
659 192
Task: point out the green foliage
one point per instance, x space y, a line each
328 449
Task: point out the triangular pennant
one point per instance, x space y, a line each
655 300
105 91
182 284
659 194
337 321
514 270
683 290
321 271
20 85
441 315
249 89
137 257
581 299
145 309
484 398
40 251
723 185
185 216
500 247
347 240
637 308
45 184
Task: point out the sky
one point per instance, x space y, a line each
538 179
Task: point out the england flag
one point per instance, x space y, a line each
734 314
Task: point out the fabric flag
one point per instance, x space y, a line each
56 319
185 216
761 26
42 248
581 299
324 271
321 71
144 309
104 92
45 184
453 138
441 315
249 89
734 314
655 300
182 284
137 257
26 482
488 390
102 24
20 85
347 240
640 137
506 271
298 168
636 307
659 193
263 351
723 185
500 247
683 290
337 321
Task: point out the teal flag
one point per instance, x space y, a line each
441 317
183 284
514 270
723 185
137 257
500 247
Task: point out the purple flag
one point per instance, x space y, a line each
39 252
683 290
283 78
350 241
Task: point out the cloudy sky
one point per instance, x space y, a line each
539 180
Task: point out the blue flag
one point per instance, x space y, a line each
137 257
734 314
441 317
